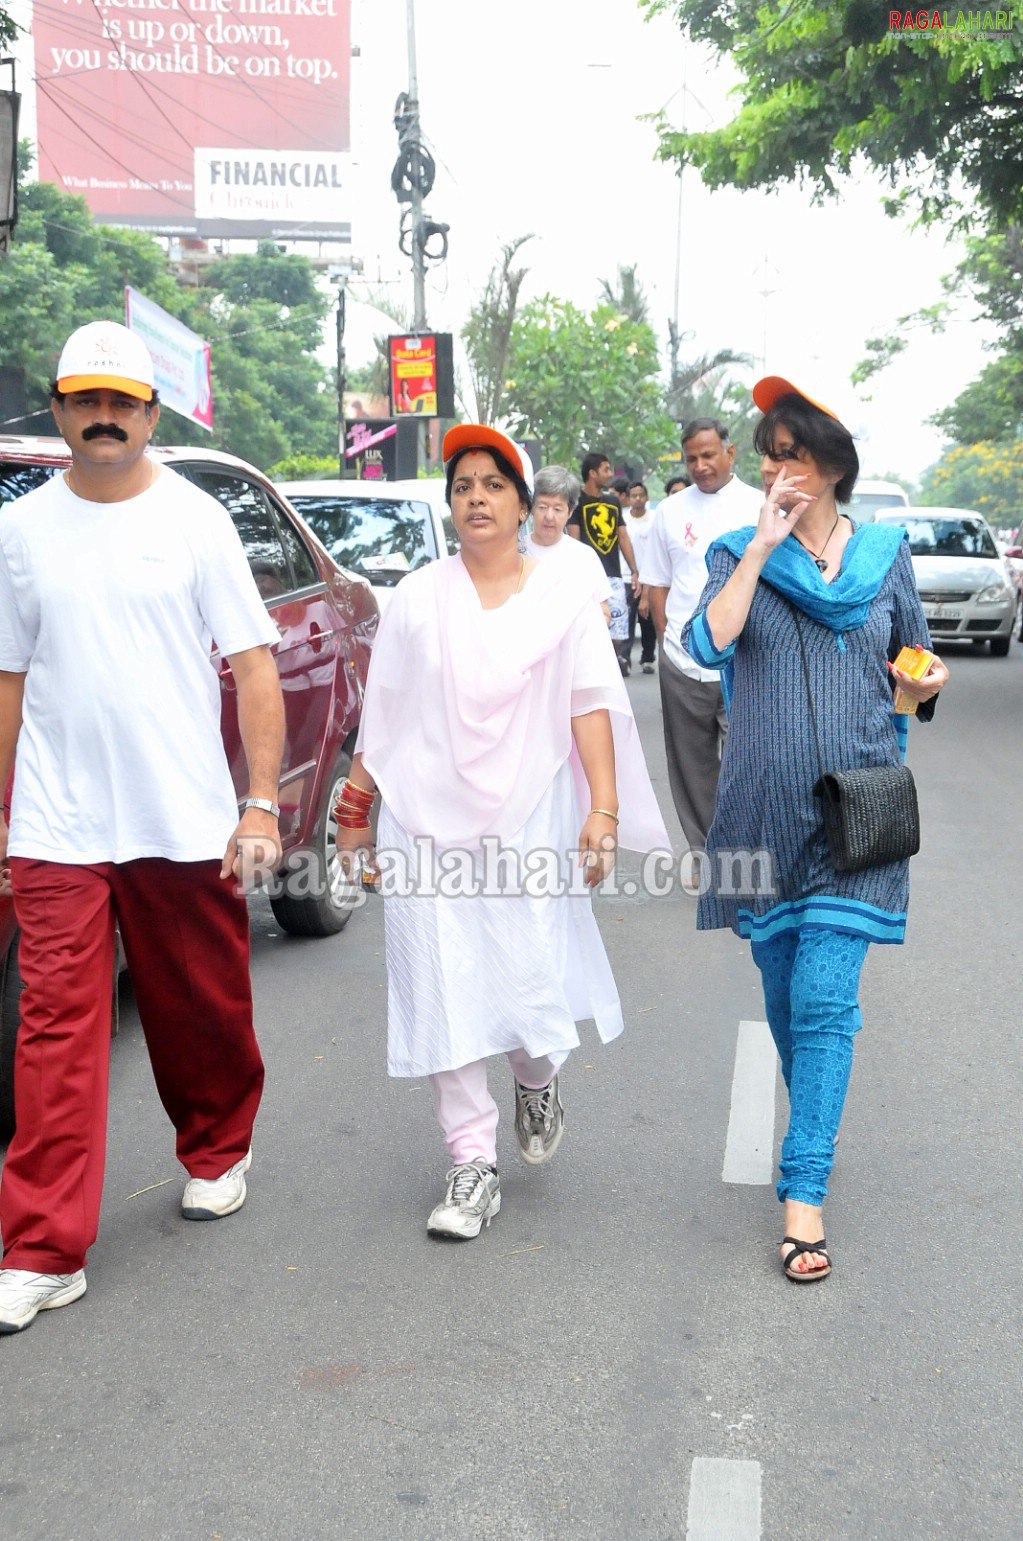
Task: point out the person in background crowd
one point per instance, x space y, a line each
806 577
555 494
115 576
674 571
675 483
597 522
639 521
498 731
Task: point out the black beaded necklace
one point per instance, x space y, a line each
818 556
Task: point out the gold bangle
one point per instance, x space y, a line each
607 813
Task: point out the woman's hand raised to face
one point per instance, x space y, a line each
782 509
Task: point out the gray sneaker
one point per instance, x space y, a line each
210 1198
23 1295
539 1121
472 1200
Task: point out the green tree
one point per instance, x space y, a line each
580 382
824 87
261 314
487 333
986 477
8 28
987 285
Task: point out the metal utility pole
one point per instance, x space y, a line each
10 102
416 178
411 182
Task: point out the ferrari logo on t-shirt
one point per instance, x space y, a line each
600 523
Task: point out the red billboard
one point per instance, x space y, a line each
198 117
422 376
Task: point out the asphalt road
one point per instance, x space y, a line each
618 1355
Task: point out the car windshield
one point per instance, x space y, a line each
380 538
949 537
16 480
876 500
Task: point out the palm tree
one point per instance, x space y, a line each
626 295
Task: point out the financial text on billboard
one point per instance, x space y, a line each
198 117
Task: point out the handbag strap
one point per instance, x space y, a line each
809 692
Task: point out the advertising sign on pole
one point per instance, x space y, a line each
181 359
378 450
422 375
199 117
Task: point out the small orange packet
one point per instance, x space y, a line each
914 661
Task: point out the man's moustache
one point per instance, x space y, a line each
104 430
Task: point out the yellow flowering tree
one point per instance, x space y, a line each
986 477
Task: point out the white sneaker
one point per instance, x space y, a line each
472 1200
23 1295
210 1198
539 1122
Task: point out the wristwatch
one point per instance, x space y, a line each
260 802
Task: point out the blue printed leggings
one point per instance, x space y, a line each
811 981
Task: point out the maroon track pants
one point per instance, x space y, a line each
186 939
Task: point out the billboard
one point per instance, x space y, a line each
199 117
181 359
422 375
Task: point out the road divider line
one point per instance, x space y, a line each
724 1500
749 1147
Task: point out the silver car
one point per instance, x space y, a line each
966 586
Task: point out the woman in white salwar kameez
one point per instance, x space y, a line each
493 718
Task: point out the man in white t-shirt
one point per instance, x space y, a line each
555 494
639 521
116 577
674 566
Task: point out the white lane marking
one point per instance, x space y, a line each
724 1500
749 1148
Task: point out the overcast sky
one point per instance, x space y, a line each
531 110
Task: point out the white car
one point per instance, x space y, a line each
380 530
872 498
966 585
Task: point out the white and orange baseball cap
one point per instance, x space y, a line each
476 436
105 354
769 391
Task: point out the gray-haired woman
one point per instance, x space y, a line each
555 494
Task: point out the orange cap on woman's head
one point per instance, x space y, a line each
476 436
769 391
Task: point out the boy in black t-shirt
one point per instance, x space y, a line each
597 522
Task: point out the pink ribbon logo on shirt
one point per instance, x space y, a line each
690 537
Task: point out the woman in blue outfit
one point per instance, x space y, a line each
857 600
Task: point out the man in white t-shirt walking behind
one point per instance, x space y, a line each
674 565
116 579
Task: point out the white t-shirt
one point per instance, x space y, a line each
568 549
113 609
675 554
637 531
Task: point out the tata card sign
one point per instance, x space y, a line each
181 360
199 117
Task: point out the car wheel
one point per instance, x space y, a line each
312 897
11 986
1000 647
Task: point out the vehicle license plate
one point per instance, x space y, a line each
942 613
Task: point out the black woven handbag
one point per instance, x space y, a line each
871 816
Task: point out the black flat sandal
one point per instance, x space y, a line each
809 1275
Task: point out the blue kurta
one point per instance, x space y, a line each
765 801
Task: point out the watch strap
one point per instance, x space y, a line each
260 802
